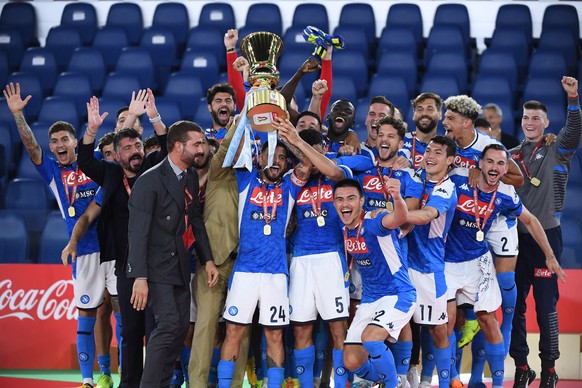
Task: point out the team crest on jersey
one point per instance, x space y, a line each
232 310
257 196
356 246
461 161
466 205
324 195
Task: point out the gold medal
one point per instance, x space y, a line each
267 230
389 206
480 235
535 181
71 211
320 221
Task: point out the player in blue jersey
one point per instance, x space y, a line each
379 108
427 109
469 268
388 297
266 199
426 249
73 191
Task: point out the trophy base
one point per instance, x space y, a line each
263 107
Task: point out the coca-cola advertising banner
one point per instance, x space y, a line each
38 319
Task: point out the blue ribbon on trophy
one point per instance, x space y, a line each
322 40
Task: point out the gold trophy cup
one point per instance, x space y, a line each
262 50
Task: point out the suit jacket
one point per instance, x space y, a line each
109 175
221 207
157 212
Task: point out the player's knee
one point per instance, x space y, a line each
488 322
274 336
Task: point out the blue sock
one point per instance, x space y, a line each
340 376
212 375
508 299
367 371
495 354
104 361
276 377
185 360
178 375
320 340
383 361
442 359
401 350
118 337
428 355
304 360
86 345
478 362
225 372
453 355
470 314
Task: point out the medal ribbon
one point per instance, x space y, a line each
414 164
387 196
358 230
425 195
126 184
266 206
525 169
316 197
71 196
488 209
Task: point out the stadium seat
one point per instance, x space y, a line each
294 42
515 16
77 87
544 89
344 88
26 169
310 14
202 64
11 44
163 49
109 40
41 62
173 16
492 88
445 38
443 85
290 62
169 109
499 62
83 17
562 16
29 85
352 64
4 70
59 109
400 64
392 87
129 17
186 91
218 15
556 114
547 63
208 39
514 40
22 16
29 198
398 39
89 61
561 40
456 15
575 176
137 61
53 239
358 41
62 41
266 17
450 63
572 239
406 15
202 117
120 86
14 238
7 119
359 15
8 159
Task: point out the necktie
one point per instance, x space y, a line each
183 179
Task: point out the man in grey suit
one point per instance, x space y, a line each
165 220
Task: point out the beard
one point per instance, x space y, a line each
216 118
427 128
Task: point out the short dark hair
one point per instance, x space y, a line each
383 100
348 182
496 147
311 137
151 141
59 126
220 88
426 96
536 105
178 132
120 111
396 123
279 144
481 122
447 142
309 113
212 142
106 140
129 133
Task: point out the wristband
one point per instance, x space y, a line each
230 50
574 96
156 119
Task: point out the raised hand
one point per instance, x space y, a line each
13 100
94 119
570 85
137 105
310 65
230 39
241 64
319 87
150 104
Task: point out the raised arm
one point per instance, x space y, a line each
318 89
152 111
398 217
310 65
513 176
569 137
235 78
16 104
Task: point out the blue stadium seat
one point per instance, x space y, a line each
556 114
77 87
4 70
109 40
22 16
562 16
137 61
575 176
83 17
62 41
354 65
26 169
29 84
173 16
170 110
406 15
514 40
266 17
111 105
450 63
547 63
53 239
392 87
29 198
120 86
218 15
398 39
544 89
456 15
289 62
59 109
311 14
561 40
443 85
293 41
7 119
129 17
163 49
572 240
358 41
202 117
202 64
359 15
400 64
445 38
208 39
89 61
344 88
8 161
11 44
492 88
187 91
499 62
14 238
41 61
515 16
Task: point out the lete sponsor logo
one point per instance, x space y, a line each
356 246
461 161
257 197
542 273
466 204
325 195
373 184
82 179
33 303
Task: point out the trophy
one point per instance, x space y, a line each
265 104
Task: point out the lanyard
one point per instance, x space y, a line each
316 198
358 230
488 209
126 184
71 196
387 195
266 206
414 164
425 195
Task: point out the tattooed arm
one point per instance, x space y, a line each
16 105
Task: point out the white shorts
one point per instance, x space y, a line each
318 284
430 308
355 283
91 278
474 283
501 239
267 290
193 307
383 313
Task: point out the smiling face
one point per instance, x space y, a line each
376 111
276 171
130 154
349 204
63 144
493 166
426 115
387 142
341 117
195 152
436 160
221 108
533 123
